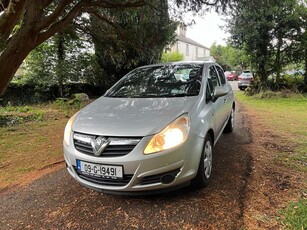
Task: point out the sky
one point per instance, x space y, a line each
207 30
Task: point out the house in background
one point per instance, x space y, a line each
191 50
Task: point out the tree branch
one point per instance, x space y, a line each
10 18
110 5
118 29
61 23
46 21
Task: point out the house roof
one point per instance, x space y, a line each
190 41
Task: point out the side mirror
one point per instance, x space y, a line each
219 92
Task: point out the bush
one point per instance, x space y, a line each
294 83
287 84
67 105
21 94
172 56
16 119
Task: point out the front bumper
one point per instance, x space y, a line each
142 173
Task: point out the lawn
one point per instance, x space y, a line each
286 120
31 140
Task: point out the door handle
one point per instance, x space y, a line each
225 100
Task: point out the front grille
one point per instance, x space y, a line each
157 178
106 181
119 146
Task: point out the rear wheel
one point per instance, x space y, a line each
205 165
230 124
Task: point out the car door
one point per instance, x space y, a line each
227 99
217 103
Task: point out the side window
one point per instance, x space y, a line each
213 79
221 74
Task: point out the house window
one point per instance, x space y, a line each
187 49
204 52
196 52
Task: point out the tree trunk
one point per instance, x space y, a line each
277 62
305 58
262 73
12 57
61 58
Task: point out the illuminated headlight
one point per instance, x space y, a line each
173 135
67 131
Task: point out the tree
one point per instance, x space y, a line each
302 36
229 57
271 32
138 39
250 29
25 24
61 59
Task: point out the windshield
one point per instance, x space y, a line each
160 81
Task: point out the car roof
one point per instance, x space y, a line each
178 63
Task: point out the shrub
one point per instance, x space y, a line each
172 56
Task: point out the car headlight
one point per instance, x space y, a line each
173 135
67 131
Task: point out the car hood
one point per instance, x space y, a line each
130 116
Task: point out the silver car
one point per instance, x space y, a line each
245 79
152 131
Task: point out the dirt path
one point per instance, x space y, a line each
56 201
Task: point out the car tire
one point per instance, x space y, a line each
230 123
205 165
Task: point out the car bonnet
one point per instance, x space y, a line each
130 116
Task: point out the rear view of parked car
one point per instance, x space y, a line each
153 131
245 79
233 76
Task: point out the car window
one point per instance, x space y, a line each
213 78
221 74
160 81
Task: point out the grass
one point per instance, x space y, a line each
295 215
16 115
29 146
286 118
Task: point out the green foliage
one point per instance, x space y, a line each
15 115
229 57
81 97
272 34
68 105
286 83
63 58
295 215
172 56
135 37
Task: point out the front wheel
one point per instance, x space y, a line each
205 165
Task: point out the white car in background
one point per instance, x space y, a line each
245 79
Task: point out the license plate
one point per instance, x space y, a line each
100 170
